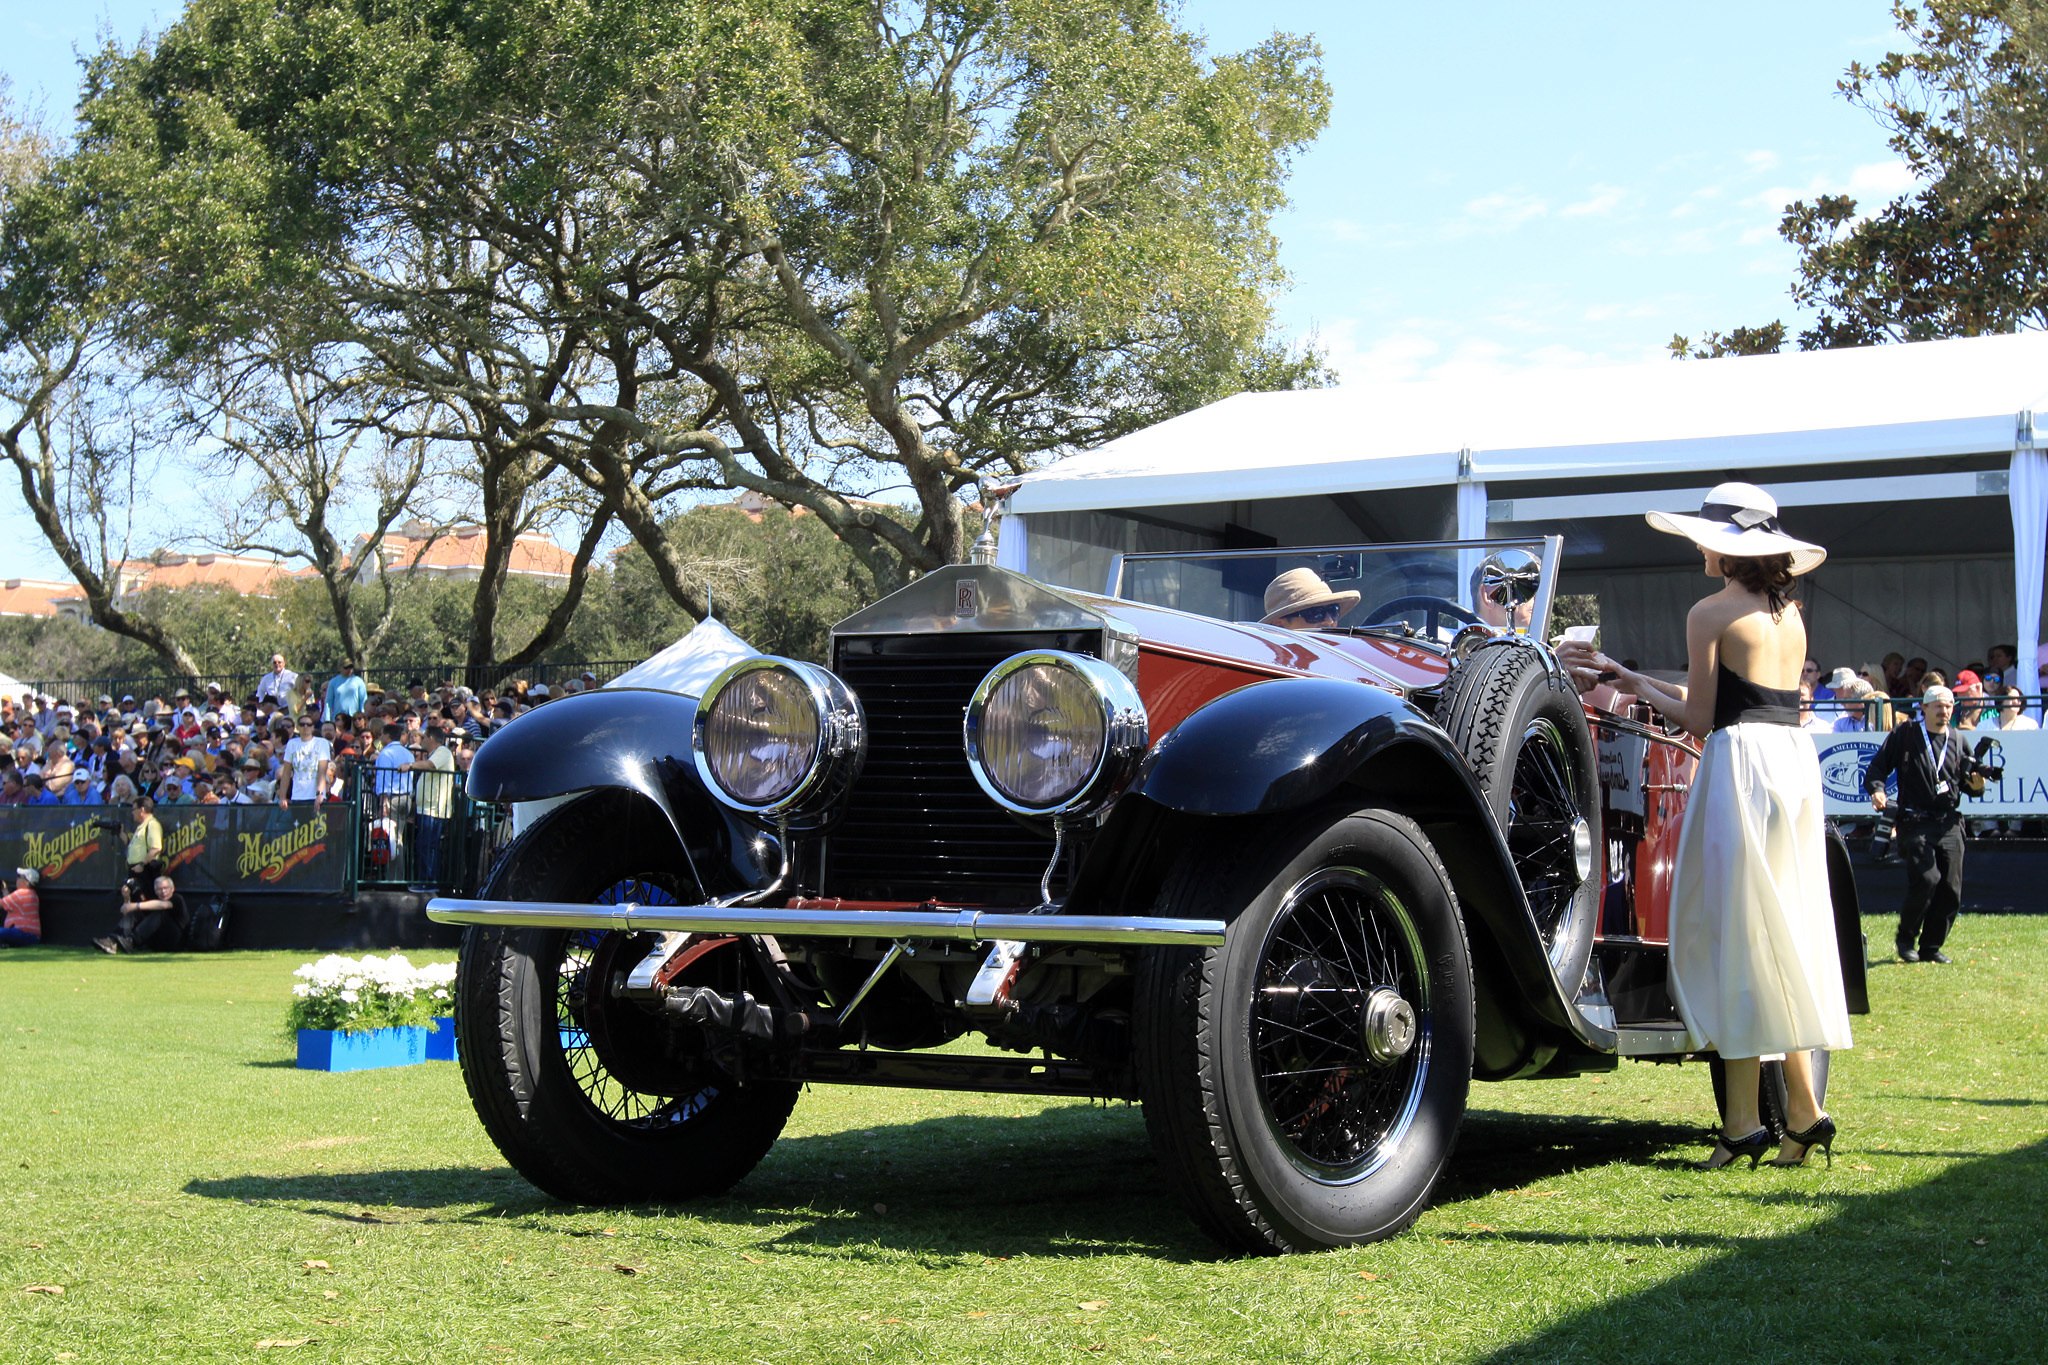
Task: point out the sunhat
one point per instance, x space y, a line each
1740 520
1298 590
1841 678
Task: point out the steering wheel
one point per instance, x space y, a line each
1436 610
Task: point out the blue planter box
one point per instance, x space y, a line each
441 1043
333 1050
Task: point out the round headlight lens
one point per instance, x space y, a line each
761 736
1041 735
1053 733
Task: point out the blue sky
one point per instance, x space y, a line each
1502 185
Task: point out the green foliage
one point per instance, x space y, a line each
1768 339
1963 253
36 648
807 247
780 584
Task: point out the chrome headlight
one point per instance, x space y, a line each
1052 733
777 737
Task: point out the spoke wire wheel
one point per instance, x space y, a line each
597 1100
1341 938
1303 1084
598 1056
1545 827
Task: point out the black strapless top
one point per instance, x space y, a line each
1738 701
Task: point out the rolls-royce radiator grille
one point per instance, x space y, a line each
918 825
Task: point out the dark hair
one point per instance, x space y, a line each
1768 575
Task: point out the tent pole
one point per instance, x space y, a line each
2027 491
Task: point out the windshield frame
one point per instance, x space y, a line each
1539 617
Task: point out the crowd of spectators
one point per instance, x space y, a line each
290 739
1989 693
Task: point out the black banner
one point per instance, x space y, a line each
67 844
206 848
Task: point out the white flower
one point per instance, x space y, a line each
349 996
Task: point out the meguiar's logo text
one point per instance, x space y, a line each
185 844
52 854
271 859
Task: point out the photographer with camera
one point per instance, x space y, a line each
145 842
153 918
1935 771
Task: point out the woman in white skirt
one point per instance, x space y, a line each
1754 969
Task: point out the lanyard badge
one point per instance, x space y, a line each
1938 764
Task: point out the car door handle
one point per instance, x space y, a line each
1668 787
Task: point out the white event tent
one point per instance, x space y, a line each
1915 465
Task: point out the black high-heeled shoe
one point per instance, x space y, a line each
1821 1135
1753 1147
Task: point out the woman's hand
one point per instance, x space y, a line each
1582 662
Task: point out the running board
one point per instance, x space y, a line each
990 1075
962 925
1634 1041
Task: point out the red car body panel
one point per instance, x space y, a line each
1186 661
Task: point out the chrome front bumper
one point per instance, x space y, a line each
961 925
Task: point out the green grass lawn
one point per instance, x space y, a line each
197 1197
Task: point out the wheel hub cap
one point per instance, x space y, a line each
1582 847
1387 1026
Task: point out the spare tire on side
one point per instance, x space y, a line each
1521 727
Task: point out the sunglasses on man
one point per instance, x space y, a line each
1325 615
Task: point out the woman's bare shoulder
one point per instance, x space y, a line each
1718 611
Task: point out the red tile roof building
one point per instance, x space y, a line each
40 597
458 552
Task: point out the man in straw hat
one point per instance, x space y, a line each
1928 757
1300 600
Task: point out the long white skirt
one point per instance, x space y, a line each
1754 968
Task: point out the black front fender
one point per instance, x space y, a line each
627 739
613 737
1276 745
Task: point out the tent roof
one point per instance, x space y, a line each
1925 400
689 665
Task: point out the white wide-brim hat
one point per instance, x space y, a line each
1740 520
1298 590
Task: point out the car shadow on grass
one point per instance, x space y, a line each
1068 1182
1946 1269
1500 1149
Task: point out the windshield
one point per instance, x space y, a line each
1429 590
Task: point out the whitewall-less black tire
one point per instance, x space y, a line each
1304 1083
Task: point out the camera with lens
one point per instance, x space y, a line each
1977 772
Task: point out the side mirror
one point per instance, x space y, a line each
1507 578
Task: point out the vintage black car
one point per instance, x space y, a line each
1291 890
